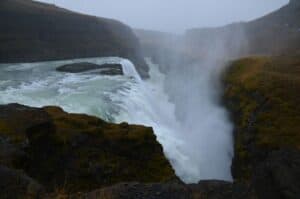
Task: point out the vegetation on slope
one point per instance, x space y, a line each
263 93
78 152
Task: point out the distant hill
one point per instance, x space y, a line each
277 33
150 38
274 34
32 31
162 47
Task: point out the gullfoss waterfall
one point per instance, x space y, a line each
197 142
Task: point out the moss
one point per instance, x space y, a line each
116 153
263 94
13 127
78 152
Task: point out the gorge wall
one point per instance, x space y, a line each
262 94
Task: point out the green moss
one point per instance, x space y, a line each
263 94
109 153
77 152
9 130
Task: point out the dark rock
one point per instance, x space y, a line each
278 176
203 190
215 189
72 153
261 93
31 31
77 152
10 152
141 191
17 185
104 69
294 3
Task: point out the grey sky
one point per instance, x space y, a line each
173 15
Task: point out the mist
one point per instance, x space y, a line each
159 99
175 15
196 133
195 88
198 141
193 64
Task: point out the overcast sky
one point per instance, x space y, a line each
173 15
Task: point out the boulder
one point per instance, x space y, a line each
103 69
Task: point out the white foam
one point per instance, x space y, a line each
196 145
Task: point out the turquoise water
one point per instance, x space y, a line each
195 151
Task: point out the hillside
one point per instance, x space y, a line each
274 34
262 94
277 33
32 31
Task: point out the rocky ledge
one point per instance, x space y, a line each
203 190
103 69
46 150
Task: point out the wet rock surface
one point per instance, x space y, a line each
103 69
203 190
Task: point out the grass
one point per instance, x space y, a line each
263 94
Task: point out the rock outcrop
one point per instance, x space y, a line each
104 69
17 185
48 153
32 31
203 190
76 153
263 95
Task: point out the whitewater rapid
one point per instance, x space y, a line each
126 98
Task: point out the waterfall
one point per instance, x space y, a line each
129 70
197 144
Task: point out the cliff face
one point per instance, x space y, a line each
32 31
262 94
73 152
